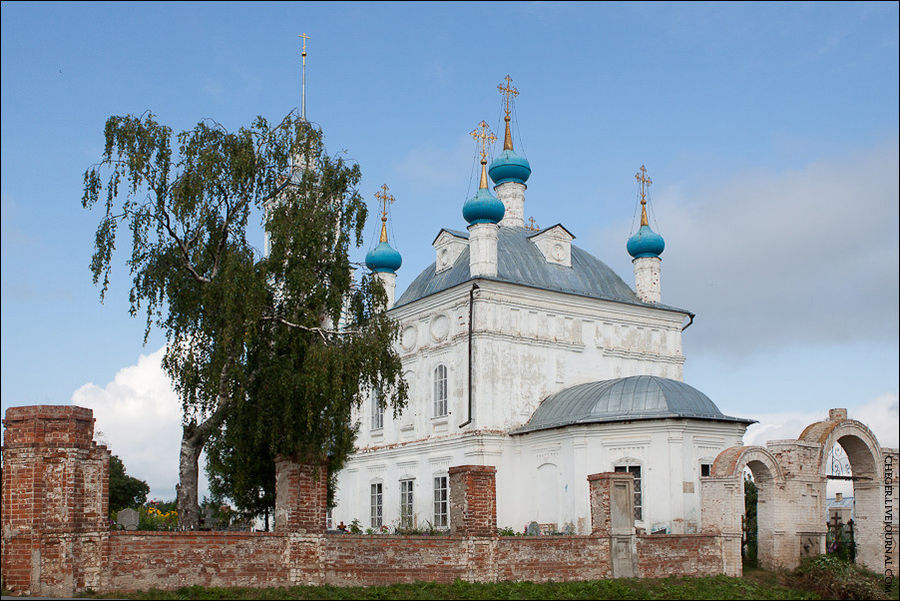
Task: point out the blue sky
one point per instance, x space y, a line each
770 132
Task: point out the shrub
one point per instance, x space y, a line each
836 578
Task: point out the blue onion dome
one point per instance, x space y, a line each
383 259
646 243
509 167
484 207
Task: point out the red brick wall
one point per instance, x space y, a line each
358 560
559 558
661 555
56 541
169 560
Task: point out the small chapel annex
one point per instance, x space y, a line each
525 352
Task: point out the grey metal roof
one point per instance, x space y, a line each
520 262
624 399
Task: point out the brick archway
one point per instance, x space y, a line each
769 478
867 466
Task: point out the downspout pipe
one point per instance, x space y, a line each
691 315
471 329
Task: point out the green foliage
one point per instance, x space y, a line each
280 348
124 490
354 527
750 526
158 516
836 578
718 587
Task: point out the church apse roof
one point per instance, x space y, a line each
624 399
519 261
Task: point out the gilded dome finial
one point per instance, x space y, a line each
304 37
486 138
385 199
507 91
641 176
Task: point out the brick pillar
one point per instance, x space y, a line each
612 516
799 514
721 508
55 500
473 500
301 496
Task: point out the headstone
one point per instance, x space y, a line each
128 519
533 529
209 517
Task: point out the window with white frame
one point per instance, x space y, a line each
440 390
376 504
329 521
377 410
705 469
440 501
638 497
406 503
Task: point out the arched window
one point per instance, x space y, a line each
440 390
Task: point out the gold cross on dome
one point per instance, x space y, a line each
645 181
304 37
385 199
507 91
531 226
486 138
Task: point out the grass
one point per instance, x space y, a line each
718 587
820 577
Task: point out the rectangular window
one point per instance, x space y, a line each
705 469
377 410
406 503
440 391
440 502
376 499
636 472
329 521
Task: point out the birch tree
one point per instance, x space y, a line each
286 339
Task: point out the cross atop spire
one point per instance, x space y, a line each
304 37
386 200
486 138
509 92
645 181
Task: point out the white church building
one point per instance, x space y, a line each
523 351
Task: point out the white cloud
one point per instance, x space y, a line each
139 418
769 259
880 415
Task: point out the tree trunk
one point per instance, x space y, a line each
188 476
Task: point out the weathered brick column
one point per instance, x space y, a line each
473 500
301 496
55 500
721 508
612 516
800 507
